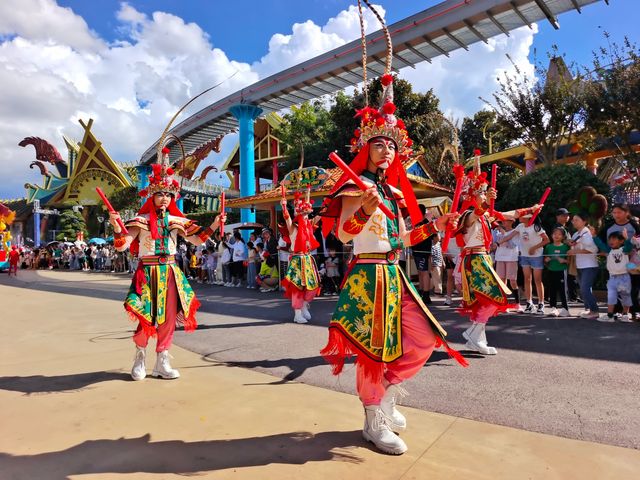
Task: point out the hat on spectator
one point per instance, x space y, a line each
562 211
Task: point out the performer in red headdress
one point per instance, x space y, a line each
301 283
484 294
160 296
380 316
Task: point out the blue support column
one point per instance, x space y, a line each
246 115
143 178
36 230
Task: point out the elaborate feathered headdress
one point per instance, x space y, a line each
382 122
302 206
473 183
161 178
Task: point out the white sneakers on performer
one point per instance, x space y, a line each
447 300
388 406
540 309
563 312
477 340
299 317
139 370
585 314
163 368
626 318
305 311
554 312
377 431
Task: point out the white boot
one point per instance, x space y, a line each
377 431
163 368
388 406
478 340
299 317
483 338
305 311
139 370
468 331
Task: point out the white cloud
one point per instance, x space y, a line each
308 40
460 79
45 21
54 70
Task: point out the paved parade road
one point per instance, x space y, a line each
570 377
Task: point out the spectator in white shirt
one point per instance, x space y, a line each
585 250
532 242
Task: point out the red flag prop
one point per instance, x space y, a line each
542 200
222 213
494 176
107 204
358 181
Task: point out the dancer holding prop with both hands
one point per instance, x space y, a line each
484 294
380 318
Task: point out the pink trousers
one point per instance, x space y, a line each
418 341
484 313
166 330
298 297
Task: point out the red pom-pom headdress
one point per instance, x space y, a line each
474 182
382 123
161 178
301 206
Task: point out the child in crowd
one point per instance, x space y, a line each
437 263
555 258
332 273
619 283
268 278
451 259
212 263
201 256
506 255
252 273
225 259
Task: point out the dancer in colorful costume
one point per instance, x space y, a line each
380 316
484 294
160 296
302 282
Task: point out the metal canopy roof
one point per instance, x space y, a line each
439 30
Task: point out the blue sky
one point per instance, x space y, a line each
246 37
130 66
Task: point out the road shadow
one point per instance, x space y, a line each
141 455
59 383
297 366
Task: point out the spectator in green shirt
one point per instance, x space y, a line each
555 258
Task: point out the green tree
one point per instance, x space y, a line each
482 131
565 182
320 130
125 198
305 131
612 90
540 114
70 224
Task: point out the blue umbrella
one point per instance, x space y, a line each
97 241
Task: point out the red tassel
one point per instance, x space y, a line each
455 355
139 279
189 321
